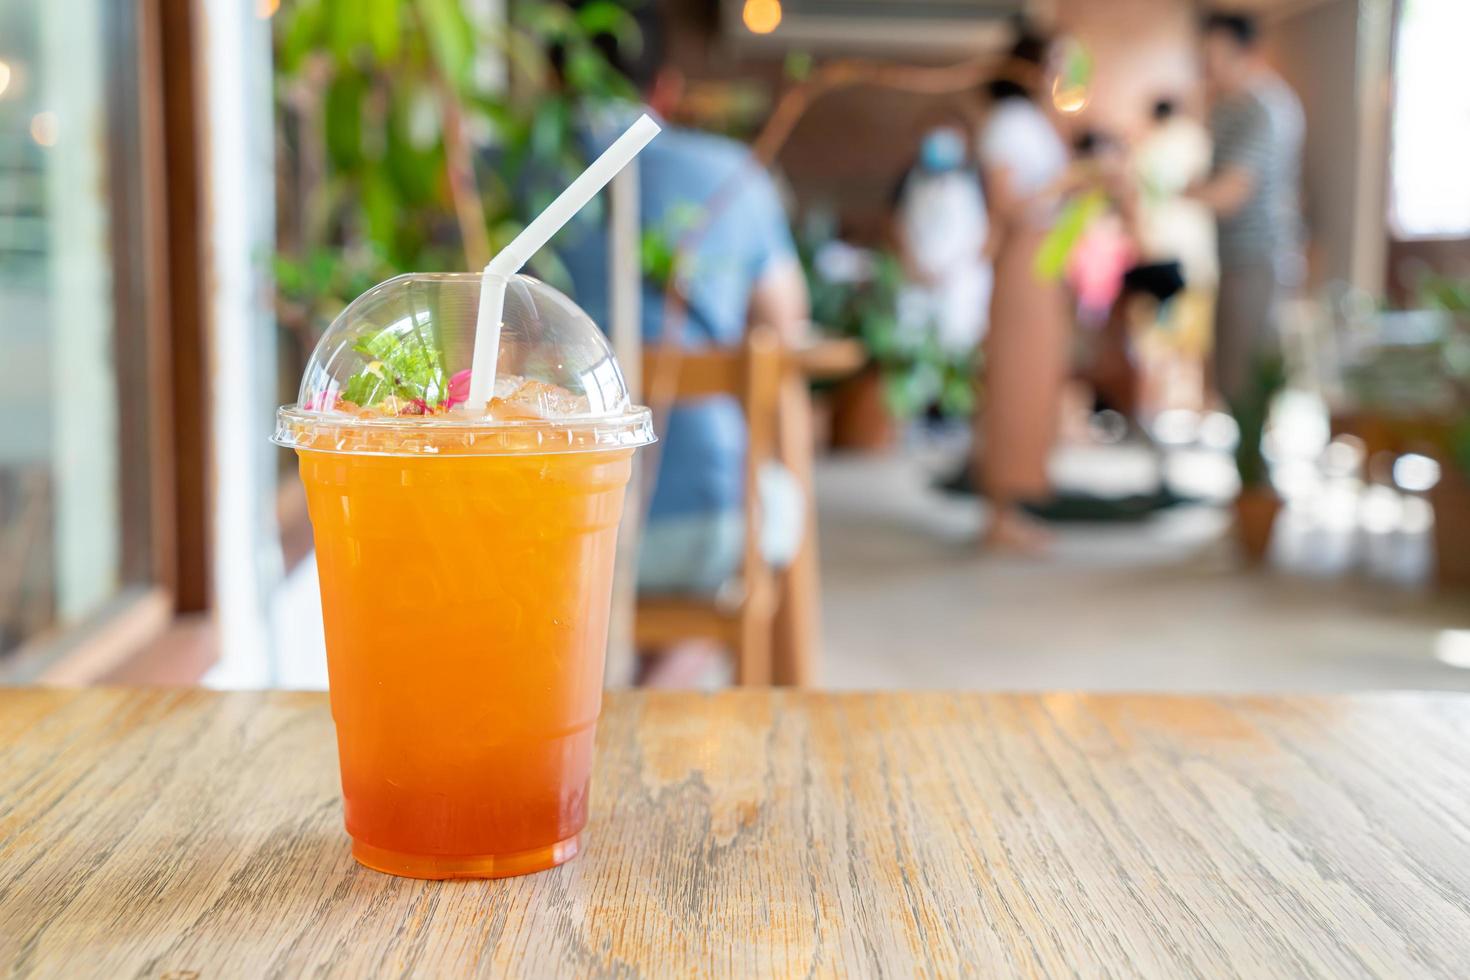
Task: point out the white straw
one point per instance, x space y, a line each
487 340
530 241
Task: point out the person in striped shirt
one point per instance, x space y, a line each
1252 187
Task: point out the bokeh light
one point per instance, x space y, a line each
1218 431
1453 647
44 128
4 76
1415 472
761 16
1176 426
1070 89
1418 516
1068 99
1380 510
1343 456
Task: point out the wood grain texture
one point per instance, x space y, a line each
151 833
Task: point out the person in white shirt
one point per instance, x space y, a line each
1173 155
1024 165
1178 268
941 227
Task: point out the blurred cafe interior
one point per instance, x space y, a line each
1078 344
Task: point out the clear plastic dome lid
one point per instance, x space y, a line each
391 376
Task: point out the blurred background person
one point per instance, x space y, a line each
1177 271
1149 318
1172 229
1103 251
941 227
402 144
1024 161
1098 264
1253 186
742 271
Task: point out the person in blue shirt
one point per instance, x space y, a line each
742 271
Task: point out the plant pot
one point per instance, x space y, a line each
1450 498
861 421
1255 516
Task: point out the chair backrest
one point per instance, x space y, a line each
672 373
750 373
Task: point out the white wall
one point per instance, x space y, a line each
1335 54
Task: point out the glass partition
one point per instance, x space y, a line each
74 402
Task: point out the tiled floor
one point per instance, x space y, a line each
1164 605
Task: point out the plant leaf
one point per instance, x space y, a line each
548 129
299 31
606 17
380 211
584 67
409 366
343 113
549 22
383 27
798 65
345 28
416 172
451 39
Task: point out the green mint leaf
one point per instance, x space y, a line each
410 367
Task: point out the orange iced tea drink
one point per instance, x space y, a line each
465 555
466 601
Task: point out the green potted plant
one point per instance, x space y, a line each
1257 504
908 370
402 150
1450 496
1412 386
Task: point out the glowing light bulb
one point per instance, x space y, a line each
761 16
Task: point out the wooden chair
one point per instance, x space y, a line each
742 619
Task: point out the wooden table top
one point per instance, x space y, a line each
194 834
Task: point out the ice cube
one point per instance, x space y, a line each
504 410
548 401
506 385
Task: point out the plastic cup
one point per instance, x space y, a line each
466 569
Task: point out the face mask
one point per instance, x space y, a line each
942 150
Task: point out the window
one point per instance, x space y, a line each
1430 192
75 445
